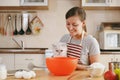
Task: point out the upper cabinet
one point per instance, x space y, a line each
101 4
24 5
34 2
94 3
9 3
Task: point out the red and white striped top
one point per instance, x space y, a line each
74 50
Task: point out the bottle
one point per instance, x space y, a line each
110 74
3 71
48 53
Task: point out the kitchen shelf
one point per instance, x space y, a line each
93 7
23 8
101 8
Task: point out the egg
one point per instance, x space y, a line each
27 75
18 74
33 74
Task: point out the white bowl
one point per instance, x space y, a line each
96 72
96 69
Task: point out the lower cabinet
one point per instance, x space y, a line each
22 60
106 58
8 60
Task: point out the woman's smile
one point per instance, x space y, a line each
74 25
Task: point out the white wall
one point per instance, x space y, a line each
95 17
54 24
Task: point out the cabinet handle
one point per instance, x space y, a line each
28 59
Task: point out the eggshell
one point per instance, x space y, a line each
18 74
27 75
33 74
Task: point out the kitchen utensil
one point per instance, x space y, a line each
9 26
31 66
21 32
61 66
15 31
36 25
12 72
28 31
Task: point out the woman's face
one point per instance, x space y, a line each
74 26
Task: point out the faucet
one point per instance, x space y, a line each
22 43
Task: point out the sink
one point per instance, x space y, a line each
21 50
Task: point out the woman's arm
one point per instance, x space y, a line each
81 67
92 59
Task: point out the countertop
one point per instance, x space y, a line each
26 50
46 75
42 51
110 52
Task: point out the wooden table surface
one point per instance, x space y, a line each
46 75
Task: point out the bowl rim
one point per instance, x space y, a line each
61 58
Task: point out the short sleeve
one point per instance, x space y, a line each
93 47
65 38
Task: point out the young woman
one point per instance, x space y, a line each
79 44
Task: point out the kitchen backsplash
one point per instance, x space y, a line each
54 24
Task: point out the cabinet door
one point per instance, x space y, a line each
95 3
9 3
105 59
22 60
117 58
114 3
34 2
8 60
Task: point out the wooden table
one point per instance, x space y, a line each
46 75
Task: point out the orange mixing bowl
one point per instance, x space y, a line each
61 66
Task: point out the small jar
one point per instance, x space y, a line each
48 53
3 71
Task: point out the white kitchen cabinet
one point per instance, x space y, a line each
34 2
99 3
114 3
8 60
22 60
106 58
24 5
9 3
94 3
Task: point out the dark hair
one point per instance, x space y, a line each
77 11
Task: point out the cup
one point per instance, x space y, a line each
3 71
